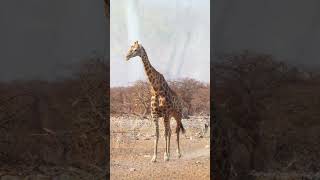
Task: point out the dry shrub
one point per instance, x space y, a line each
261 105
135 99
57 123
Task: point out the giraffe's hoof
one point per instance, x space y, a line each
154 159
166 157
178 154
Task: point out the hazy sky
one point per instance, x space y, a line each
39 37
287 29
175 34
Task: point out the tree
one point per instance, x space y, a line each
142 94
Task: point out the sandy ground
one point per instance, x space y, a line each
132 149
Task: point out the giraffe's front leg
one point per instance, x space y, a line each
178 134
167 138
155 118
155 148
166 156
178 144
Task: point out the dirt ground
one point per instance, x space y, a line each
132 149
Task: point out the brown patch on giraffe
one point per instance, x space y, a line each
162 101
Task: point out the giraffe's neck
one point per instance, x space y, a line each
150 71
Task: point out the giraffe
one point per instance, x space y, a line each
165 103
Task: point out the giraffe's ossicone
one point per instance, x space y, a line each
165 103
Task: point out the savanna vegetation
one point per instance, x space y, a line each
135 99
262 108
56 124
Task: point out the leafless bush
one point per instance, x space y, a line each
135 99
248 90
60 122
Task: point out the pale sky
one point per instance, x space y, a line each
175 34
286 29
40 39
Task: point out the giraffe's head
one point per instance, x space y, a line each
135 50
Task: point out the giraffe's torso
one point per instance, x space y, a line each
167 100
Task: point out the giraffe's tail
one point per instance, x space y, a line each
182 128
